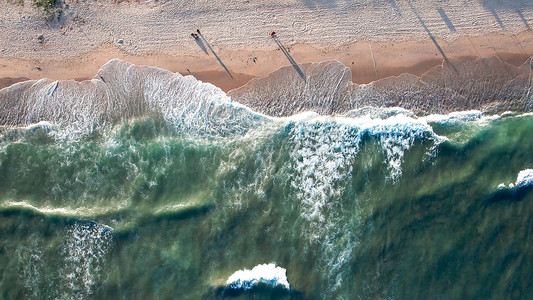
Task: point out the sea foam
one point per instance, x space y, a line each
487 84
85 249
323 149
122 91
267 274
323 152
523 179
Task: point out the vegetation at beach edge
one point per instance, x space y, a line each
46 5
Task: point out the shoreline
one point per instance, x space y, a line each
368 61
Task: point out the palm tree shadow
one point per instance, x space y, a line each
289 57
214 53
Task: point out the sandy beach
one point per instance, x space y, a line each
375 39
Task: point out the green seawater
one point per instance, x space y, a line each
352 209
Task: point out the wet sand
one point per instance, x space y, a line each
369 61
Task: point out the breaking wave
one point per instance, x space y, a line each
267 274
523 179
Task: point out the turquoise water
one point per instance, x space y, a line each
396 207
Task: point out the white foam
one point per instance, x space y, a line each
33 263
524 178
66 211
123 91
397 135
266 273
44 125
303 116
379 112
459 116
529 114
197 107
85 249
323 149
321 155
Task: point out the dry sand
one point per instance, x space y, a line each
375 39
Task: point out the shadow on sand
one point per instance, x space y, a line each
432 37
395 6
496 16
214 53
446 20
493 6
519 12
201 45
289 57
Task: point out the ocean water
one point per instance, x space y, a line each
185 194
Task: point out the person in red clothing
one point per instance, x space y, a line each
272 34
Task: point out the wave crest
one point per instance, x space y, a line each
267 274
